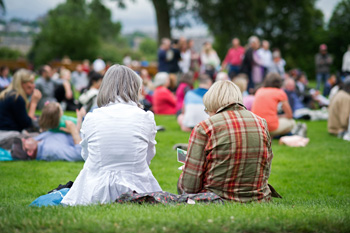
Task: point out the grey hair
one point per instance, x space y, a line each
253 39
119 82
160 79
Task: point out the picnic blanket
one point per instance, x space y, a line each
166 198
5 155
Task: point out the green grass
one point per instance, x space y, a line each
314 182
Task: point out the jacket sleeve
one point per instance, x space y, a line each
20 112
192 176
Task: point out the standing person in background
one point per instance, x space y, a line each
19 96
278 63
79 78
248 61
209 59
5 79
46 86
346 63
323 63
164 101
162 55
194 57
86 66
265 56
185 62
234 58
173 57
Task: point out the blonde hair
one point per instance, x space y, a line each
241 81
21 76
221 94
50 116
119 82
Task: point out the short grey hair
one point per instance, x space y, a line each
119 82
253 39
160 79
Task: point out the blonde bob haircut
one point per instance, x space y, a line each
221 94
21 76
119 83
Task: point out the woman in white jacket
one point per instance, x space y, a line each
118 143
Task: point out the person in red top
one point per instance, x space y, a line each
164 101
234 58
265 105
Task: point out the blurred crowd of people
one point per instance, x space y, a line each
184 76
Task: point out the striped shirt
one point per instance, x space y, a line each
229 154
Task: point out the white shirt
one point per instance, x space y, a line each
265 56
118 144
185 62
346 62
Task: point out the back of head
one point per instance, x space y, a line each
273 80
221 94
94 77
119 82
21 76
241 81
204 79
289 84
50 116
161 79
187 78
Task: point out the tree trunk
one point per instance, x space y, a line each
162 9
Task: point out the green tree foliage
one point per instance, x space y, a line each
293 26
67 30
149 47
7 53
101 15
339 32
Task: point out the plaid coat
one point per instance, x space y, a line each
229 154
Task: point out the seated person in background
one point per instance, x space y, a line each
185 85
46 86
19 96
51 146
265 105
89 97
5 80
339 110
241 80
118 143
331 82
64 93
79 78
302 90
298 108
164 101
230 153
52 118
192 111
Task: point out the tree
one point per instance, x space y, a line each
338 32
67 30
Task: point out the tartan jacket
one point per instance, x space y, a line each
229 154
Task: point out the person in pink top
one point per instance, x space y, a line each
234 58
186 84
265 105
164 102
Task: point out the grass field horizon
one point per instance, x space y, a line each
314 182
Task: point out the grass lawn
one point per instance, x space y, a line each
314 182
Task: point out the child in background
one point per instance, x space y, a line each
52 118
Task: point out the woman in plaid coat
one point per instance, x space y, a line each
229 153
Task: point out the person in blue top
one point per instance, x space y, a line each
193 107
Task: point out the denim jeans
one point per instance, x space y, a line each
321 78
